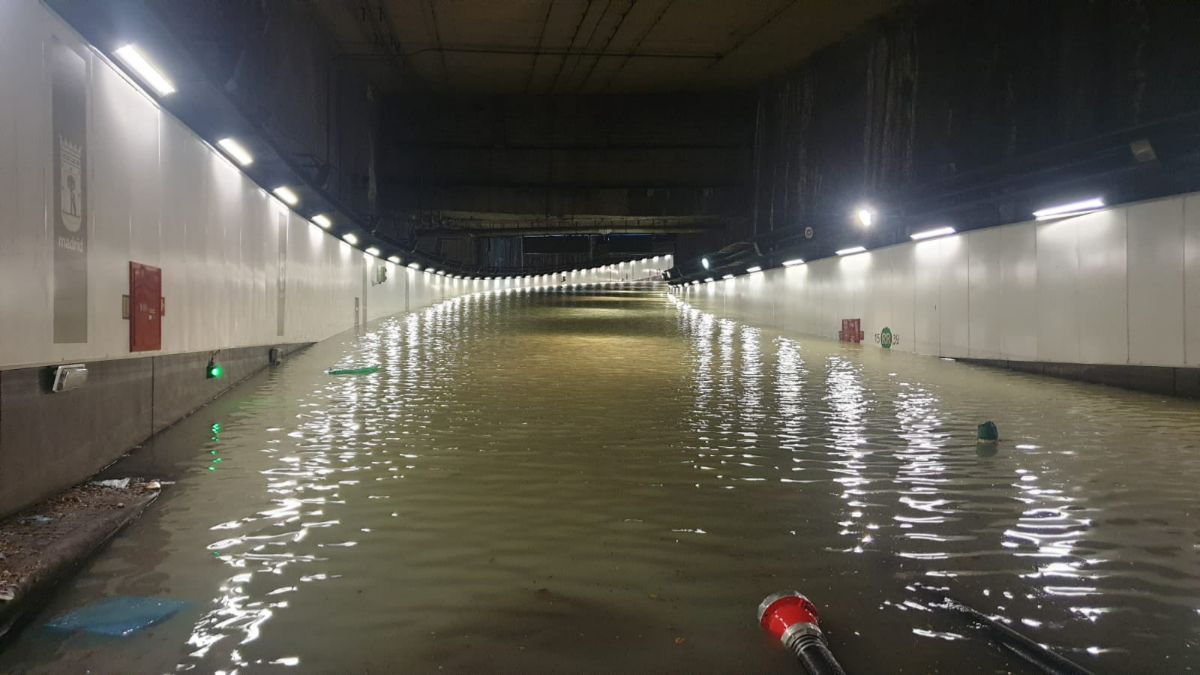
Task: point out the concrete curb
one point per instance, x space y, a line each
63 557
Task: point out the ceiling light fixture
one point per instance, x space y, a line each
1068 210
146 71
285 193
235 150
930 234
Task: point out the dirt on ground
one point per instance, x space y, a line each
31 542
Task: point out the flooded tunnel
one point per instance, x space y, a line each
468 507
432 336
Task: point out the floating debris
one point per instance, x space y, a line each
988 433
118 616
363 370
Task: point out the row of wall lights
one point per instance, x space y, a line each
152 76
866 217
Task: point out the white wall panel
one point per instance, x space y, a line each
1057 308
1017 309
927 328
953 313
986 291
1100 287
878 295
24 128
1156 283
902 324
1191 291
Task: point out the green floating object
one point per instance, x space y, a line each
368 370
988 433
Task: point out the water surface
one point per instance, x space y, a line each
607 480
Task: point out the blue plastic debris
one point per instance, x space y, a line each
118 616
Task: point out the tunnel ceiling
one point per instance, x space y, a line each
585 46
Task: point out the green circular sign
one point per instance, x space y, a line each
885 338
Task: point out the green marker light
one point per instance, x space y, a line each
214 371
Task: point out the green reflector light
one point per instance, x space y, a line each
214 371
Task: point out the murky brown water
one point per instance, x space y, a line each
575 482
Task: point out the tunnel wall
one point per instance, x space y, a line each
234 260
1120 288
240 272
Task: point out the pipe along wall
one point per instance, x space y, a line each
1110 297
94 176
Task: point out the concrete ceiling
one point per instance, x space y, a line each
586 46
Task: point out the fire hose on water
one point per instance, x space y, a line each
792 619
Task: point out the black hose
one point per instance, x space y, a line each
1032 652
811 652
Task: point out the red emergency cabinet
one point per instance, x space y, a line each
145 308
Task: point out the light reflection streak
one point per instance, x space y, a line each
330 440
848 404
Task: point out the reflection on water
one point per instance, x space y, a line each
610 480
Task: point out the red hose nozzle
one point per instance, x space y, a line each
782 614
792 619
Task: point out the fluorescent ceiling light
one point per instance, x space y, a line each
442 272
708 280
704 261
414 265
146 71
285 193
322 220
235 150
929 234
851 251
793 262
373 251
430 270
866 216
727 276
754 269
1072 209
349 238
394 259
